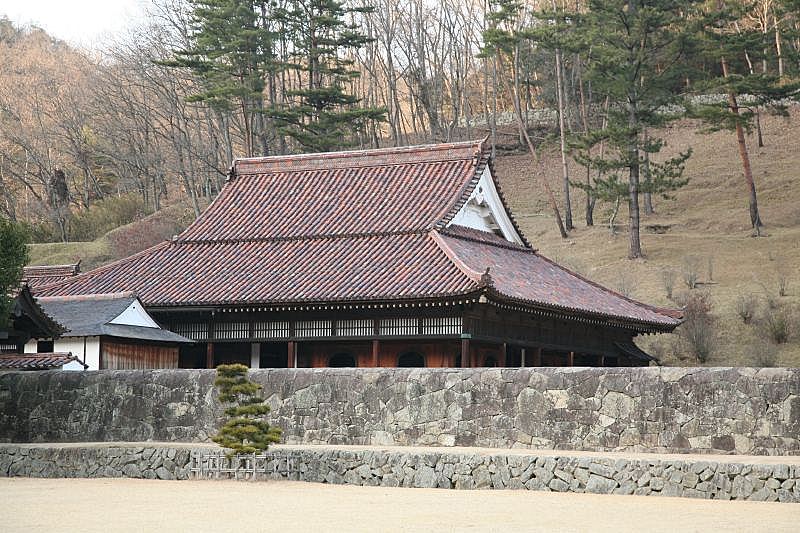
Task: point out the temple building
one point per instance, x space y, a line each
389 257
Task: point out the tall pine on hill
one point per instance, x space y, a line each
729 51
320 114
636 53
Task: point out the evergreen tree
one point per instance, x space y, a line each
13 256
322 115
728 50
636 52
247 431
233 53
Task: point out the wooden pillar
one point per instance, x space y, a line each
465 361
255 355
601 360
503 355
291 354
375 352
537 357
571 359
210 355
522 357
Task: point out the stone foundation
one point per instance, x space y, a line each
737 479
665 410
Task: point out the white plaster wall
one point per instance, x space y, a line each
135 315
75 345
485 211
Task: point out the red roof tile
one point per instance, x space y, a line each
374 191
39 276
521 274
289 270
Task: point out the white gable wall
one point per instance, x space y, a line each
87 349
135 315
484 210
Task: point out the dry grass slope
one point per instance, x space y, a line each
707 220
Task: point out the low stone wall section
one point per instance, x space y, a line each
144 460
432 468
697 410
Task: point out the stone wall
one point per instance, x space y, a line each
91 461
725 410
432 467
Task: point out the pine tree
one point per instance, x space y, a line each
322 115
232 52
636 51
247 431
728 49
13 256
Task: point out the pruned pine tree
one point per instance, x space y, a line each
728 50
247 430
320 114
13 256
636 58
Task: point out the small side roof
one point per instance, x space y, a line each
94 315
37 361
41 275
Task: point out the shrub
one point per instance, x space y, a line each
105 215
697 329
625 283
783 283
691 276
247 431
668 281
764 354
776 324
746 307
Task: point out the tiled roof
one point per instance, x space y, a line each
39 276
374 191
352 226
36 361
523 275
408 265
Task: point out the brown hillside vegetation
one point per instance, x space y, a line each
706 221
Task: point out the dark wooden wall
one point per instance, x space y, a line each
115 355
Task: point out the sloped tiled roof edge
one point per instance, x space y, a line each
671 318
674 314
47 290
27 304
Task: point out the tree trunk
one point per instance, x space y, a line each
563 134
648 195
635 250
755 217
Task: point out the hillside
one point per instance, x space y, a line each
706 220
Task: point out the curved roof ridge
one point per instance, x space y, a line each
255 165
471 274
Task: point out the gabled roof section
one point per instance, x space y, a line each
28 315
95 315
39 276
520 275
367 192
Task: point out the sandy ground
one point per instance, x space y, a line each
103 505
